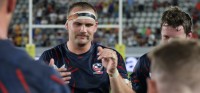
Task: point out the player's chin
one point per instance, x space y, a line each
83 42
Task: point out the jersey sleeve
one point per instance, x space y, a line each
121 67
140 74
45 57
48 54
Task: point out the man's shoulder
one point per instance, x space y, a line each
144 57
36 74
26 64
59 47
33 67
144 60
97 45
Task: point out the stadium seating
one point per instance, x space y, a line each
135 22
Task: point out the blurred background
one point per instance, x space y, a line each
140 24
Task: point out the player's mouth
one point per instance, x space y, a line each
82 36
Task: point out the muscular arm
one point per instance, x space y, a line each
119 85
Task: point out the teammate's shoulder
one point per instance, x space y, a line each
42 74
144 55
144 58
33 65
100 45
58 47
50 74
97 44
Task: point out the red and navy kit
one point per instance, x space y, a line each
21 74
88 74
140 73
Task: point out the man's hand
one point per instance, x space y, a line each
62 70
109 60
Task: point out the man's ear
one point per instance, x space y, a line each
96 26
151 86
66 25
11 6
190 35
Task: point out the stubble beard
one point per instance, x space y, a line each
82 43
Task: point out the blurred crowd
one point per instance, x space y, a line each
140 21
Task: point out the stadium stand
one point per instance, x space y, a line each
140 21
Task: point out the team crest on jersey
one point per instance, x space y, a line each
97 68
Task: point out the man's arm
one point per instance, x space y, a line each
140 74
120 85
113 66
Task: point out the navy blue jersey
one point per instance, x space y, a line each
140 73
87 73
21 74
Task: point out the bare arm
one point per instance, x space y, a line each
110 61
120 85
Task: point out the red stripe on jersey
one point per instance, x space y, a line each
69 68
56 54
120 67
22 80
57 80
136 81
120 58
67 60
3 88
74 70
73 88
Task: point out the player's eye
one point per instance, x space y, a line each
88 25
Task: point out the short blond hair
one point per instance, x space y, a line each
177 64
82 5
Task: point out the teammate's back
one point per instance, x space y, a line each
21 74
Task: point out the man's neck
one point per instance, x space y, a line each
3 26
3 33
78 49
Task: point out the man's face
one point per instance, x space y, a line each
168 33
81 30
